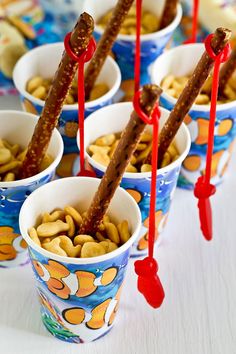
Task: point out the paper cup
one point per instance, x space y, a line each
44 61
17 128
79 296
181 61
113 119
152 44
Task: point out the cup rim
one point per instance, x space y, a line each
149 36
172 100
49 169
73 260
67 107
140 175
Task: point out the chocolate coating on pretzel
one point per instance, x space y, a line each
190 92
119 161
226 72
169 13
48 120
105 44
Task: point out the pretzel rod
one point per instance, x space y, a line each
48 120
189 94
105 44
169 13
226 72
119 161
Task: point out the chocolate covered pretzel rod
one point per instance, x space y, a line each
169 13
226 72
48 120
189 94
105 44
119 161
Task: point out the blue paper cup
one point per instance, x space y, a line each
138 184
79 297
17 128
152 44
181 61
43 61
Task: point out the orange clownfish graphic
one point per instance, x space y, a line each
102 314
194 165
10 244
199 129
61 282
160 224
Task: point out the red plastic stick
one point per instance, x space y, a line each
148 281
203 189
82 59
193 38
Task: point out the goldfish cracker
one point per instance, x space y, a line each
9 166
146 168
9 177
40 93
74 214
106 140
123 229
150 22
34 83
112 232
108 246
106 218
67 245
131 168
46 162
52 228
81 239
99 149
33 234
70 222
99 236
5 156
54 247
166 159
69 99
103 159
92 249
98 91
146 137
141 147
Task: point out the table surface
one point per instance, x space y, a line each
198 315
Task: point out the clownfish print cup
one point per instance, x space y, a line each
79 297
17 128
181 61
113 119
36 63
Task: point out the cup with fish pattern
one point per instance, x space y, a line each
138 184
36 63
181 61
79 297
17 128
